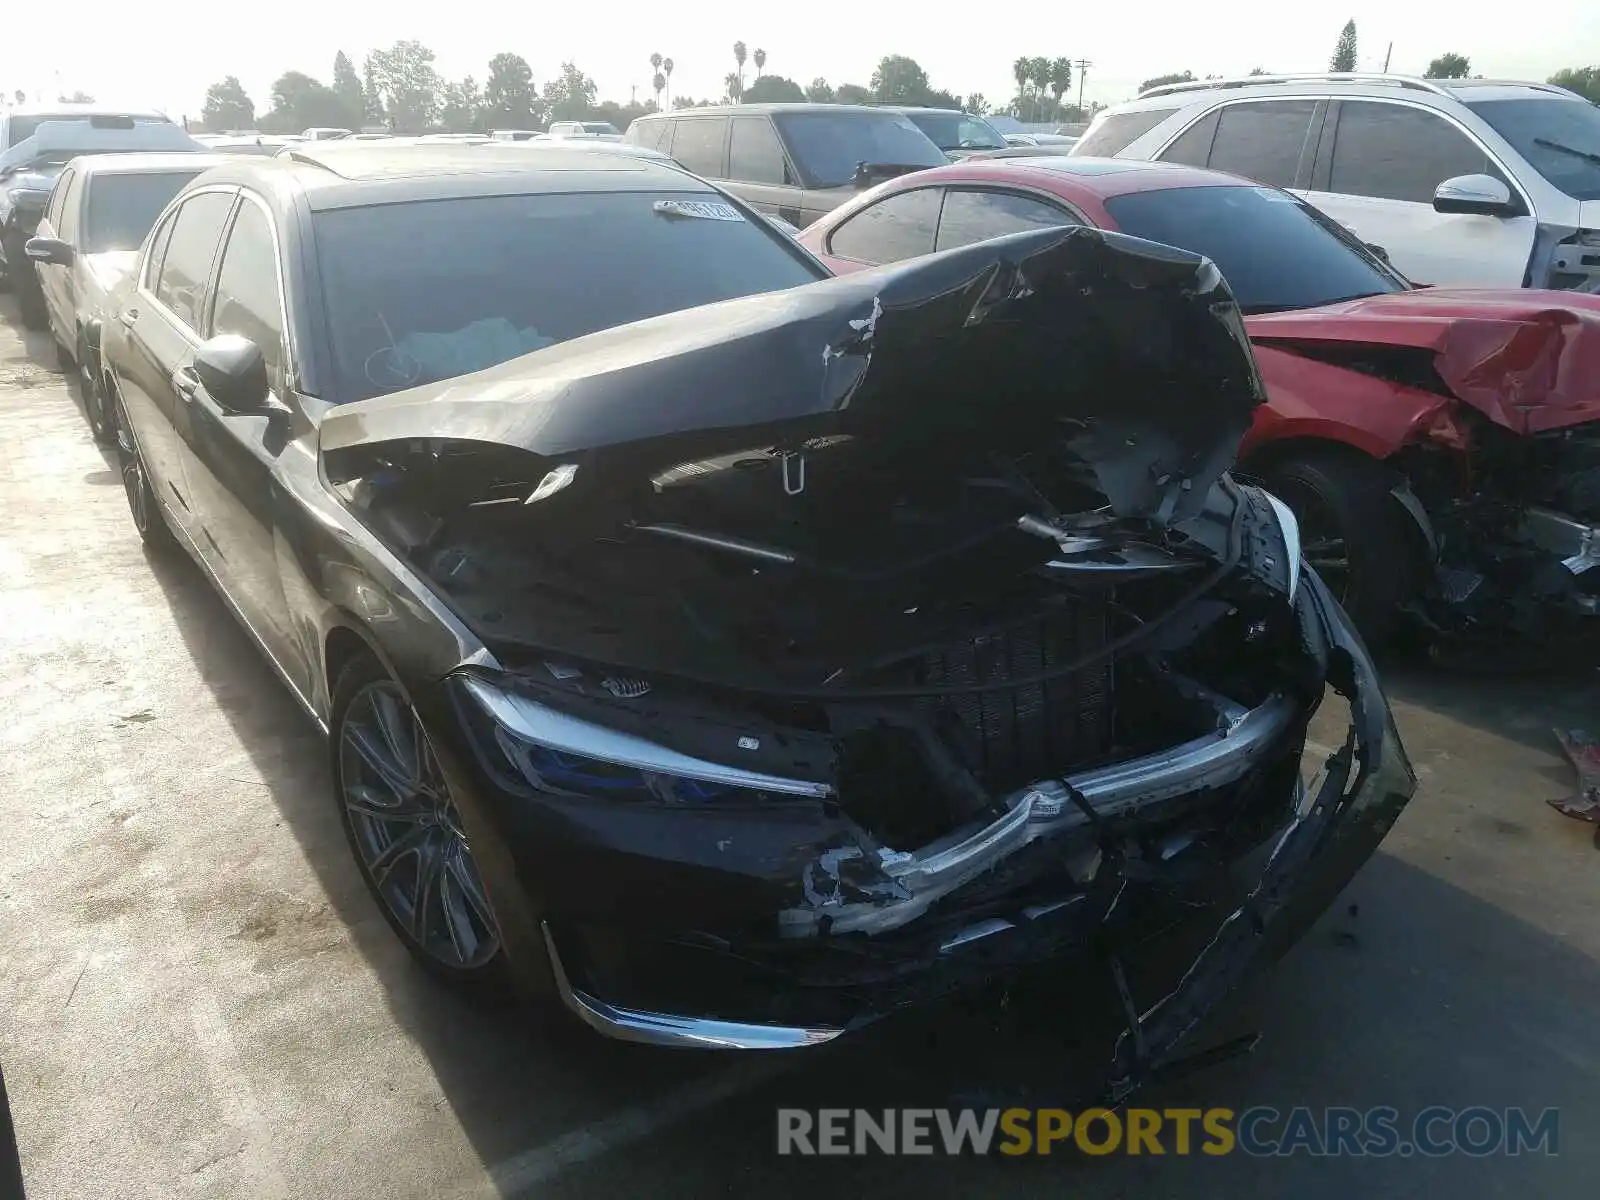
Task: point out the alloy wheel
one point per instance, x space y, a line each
408 830
133 478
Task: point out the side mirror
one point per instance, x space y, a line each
48 250
234 373
1476 195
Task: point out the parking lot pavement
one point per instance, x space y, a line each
197 998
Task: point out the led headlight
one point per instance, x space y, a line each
552 751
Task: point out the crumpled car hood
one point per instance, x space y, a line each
1137 349
1527 359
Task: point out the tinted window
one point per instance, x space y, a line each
958 131
1275 252
827 146
754 155
1262 140
158 251
123 207
432 289
1194 145
648 133
1396 152
58 203
247 288
901 226
19 127
1119 131
1559 138
970 217
698 145
186 265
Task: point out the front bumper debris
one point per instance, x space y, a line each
1331 831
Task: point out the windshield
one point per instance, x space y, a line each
427 290
1275 252
958 131
123 207
828 146
599 127
1539 129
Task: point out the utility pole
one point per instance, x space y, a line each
1082 65
1386 55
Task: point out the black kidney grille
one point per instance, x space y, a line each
1019 733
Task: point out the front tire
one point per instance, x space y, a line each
406 833
89 392
1350 532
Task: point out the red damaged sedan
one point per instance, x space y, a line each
1440 447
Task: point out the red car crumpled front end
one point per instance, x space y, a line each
1485 407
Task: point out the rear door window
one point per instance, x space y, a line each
698 145
58 203
828 146
1193 145
1120 130
898 227
754 154
1397 152
1263 140
976 216
190 251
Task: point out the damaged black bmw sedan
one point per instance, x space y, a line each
735 653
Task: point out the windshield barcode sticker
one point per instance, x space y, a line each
706 210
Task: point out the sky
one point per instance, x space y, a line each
126 57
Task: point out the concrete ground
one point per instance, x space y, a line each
197 998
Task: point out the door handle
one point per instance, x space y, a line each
185 382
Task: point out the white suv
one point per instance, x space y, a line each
1459 181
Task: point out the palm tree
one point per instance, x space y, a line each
1019 72
1060 78
761 62
738 57
1039 72
657 80
732 86
666 69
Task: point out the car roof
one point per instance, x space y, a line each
145 164
923 108
776 106
1103 177
342 174
73 109
1335 83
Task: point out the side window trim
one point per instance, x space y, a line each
150 294
286 371
1449 118
159 233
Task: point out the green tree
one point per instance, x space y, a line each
300 102
1060 78
819 92
1344 54
347 86
1583 80
371 100
570 96
732 88
899 80
1449 66
1259 71
408 84
228 107
773 89
739 55
1022 72
853 93
686 102
976 104
461 106
509 98
760 59
1163 80
77 97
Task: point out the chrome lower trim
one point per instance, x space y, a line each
1045 809
545 726
668 1029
